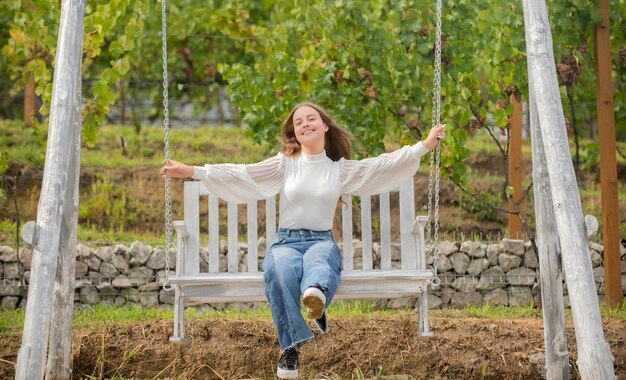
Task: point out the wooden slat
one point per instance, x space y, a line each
407 219
256 292
418 231
366 232
214 234
192 223
346 230
385 232
233 238
203 191
181 238
270 221
235 287
253 257
353 277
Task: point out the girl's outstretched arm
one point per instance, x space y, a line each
387 171
239 183
176 169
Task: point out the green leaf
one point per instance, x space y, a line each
116 49
122 65
465 93
510 191
101 89
4 159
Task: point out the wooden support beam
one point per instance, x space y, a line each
59 361
29 100
608 162
551 280
56 204
594 354
515 166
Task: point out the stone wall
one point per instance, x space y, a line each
471 272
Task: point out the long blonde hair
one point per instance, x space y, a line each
337 140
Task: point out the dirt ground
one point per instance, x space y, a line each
461 348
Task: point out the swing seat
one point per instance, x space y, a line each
374 278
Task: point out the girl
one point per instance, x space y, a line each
311 172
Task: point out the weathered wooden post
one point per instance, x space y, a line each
515 166
594 354
608 161
56 220
29 100
551 281
60 351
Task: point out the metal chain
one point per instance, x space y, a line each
169 230
435 154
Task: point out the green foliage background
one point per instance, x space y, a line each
369 62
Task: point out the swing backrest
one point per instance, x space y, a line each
410 236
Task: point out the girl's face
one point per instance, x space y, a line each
309 128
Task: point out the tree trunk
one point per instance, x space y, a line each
594 354
54 203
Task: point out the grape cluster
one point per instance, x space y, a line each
445 60
472 126
371 92
512 89
414 124
339 76
583 50
569 70
621 57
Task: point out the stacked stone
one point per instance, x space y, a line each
471 272
122 274
13 265
475 273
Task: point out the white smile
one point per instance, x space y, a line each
308 131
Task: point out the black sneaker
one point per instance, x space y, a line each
288 364
322 324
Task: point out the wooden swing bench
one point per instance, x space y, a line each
411 279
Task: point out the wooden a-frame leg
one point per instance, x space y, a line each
179 319
423 324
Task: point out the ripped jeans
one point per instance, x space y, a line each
298 259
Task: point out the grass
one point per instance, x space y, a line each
488 311
615 312
197 145
122 147
103 313
100 314
92 234
96 235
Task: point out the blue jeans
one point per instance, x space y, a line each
297 260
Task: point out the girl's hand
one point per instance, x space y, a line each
176 169
434 136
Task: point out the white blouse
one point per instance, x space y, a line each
310 185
